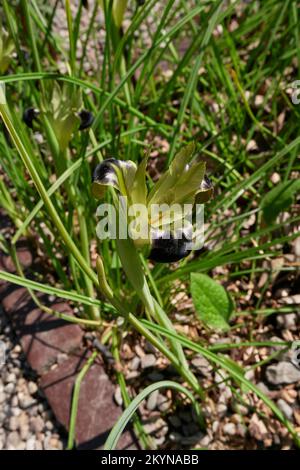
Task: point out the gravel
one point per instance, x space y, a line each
286 409
282 373
229 429
148 360
152 400
26 420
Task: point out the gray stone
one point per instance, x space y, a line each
152 400
37 424
241 430
221 409
32 388
163 403
11 378
9 388
25 401
285 408
282 373
149 360
13 440
205 441
287 321
202 365
134 365
118 396
2 397
30 444
13 423
49 425
229 429
24 431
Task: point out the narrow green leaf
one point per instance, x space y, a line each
279 199
118 428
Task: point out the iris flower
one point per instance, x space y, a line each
184 183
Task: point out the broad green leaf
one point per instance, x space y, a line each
212 303
279 199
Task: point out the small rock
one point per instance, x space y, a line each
38 445
14 401
2 418
55 443
162 427
288 320
25 401
220 377
49 425
24 431
163 403
9 388
134 365
37 424
152 400
264 389
250 375
241 430
202 365
229 429
13 423
13 440
257 428
30 444
215 426
11 378
61 357
282 373
149 360
285 408
118 396
205 441
225 395
132 375
15 411
239 408
2 397
32 387
221 409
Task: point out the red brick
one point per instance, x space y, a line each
97 411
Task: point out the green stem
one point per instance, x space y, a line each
75 400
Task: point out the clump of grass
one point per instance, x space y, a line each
219 59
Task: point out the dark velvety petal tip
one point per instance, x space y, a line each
86 118
104 169
29 115
168 250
